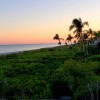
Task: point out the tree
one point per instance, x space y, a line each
69 38
56 37
78 25
91 33
85 36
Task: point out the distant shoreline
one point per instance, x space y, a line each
10 49
16 52
26 44
1 54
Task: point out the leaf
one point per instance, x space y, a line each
56 37
61 38
85 23
71 27
75 31
80 20
90 31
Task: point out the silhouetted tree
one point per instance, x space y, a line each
91 33
56 37
78 25
69 38
85 37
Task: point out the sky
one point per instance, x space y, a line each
37 21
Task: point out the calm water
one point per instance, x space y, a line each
5 49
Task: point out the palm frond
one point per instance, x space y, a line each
61 38
85 36
69 38
90 31
75 31
77 36
85 23
80 20
56 37
71 27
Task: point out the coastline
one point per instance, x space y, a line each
1 54
20 51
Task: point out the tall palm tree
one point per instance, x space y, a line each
56 37
78 25
69 38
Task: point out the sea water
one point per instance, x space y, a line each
6 49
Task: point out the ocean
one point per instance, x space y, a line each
7 49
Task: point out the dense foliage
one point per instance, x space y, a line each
50 73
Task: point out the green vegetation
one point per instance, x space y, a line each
50 73
28 74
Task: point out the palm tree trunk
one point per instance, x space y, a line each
59 42
82 41
91 40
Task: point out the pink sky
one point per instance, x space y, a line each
37 21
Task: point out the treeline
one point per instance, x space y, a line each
87 39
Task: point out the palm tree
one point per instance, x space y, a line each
56 37
69 38
91 33
85 36
78 25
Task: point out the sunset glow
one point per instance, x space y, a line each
37 21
